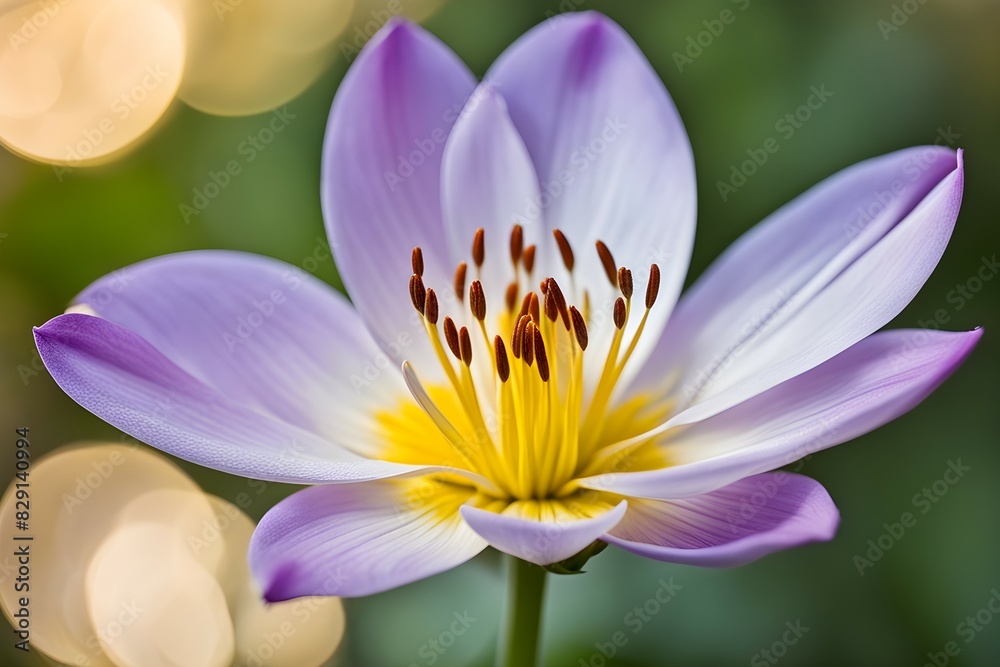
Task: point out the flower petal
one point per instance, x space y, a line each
611 153
810 281
263 333
732 526
868 385
360 539
487 180
381 186
121 378
547 533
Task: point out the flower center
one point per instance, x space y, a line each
514 407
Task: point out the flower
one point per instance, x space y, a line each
131 564
517 247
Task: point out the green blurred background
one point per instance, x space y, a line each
935 76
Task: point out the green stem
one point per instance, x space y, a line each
518 645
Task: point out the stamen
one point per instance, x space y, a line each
543 434
605 386
503 364
418 294
534 309
451 337
511 297
516 244
528 343
479 247
551 309
620 313
525 305
465 342
625 282
417 261
653 288
608 262
557 294
564 249
517 338
431 307
477 300
460 280
541 358
579 327
528 259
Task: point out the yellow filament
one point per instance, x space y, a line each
605 385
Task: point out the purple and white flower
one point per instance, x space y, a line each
518 367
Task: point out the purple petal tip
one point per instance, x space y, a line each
395 29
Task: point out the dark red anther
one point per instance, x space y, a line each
418 294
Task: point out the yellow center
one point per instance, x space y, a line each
538 430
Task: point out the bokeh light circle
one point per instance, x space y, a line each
89 78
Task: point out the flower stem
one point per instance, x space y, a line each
518 645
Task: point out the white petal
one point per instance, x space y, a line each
487 180
553 534
612 157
